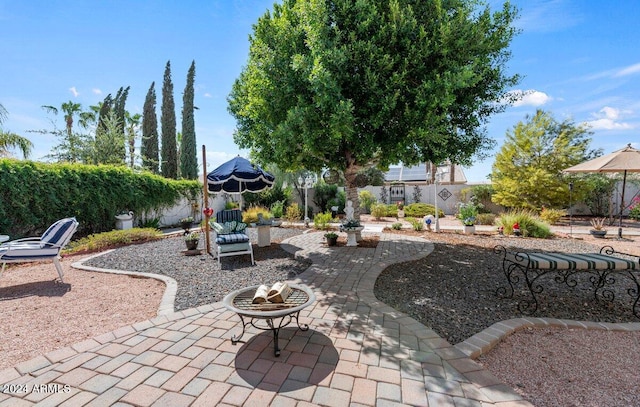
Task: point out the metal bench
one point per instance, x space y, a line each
603 267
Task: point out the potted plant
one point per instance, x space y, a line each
598 228
186 223
191 240
332 238
467 213
277 209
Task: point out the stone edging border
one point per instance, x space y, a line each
171 286
487 339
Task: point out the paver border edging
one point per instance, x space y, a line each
487 339
171 286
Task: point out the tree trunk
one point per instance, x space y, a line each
352 189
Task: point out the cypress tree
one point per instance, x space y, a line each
169 152
149 148
188 151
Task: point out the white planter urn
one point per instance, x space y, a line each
469 230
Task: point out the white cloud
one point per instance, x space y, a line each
208 95
73 91
608 118
96 91
630 70
529 97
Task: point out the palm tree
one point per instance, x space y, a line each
133 125
11 140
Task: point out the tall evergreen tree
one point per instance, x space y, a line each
169 152
527 170
188 149
119 107
149 147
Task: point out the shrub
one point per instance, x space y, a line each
340 200
485 219
114 238
552 216
324 194
420 210
396 226
268 197
416 224
366 199
379 211
634 209
293 212
251 214
34 195
321 220
277 209
530 224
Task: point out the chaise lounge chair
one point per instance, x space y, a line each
230 238
43 248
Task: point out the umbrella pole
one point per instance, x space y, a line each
205 194
624 183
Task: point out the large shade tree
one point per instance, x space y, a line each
346 85
527 172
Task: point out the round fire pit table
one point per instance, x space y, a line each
275 315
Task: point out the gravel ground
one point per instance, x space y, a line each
200 280
453 290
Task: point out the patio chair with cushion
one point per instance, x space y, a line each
230 237
44 248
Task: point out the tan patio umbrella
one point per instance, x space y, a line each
624 160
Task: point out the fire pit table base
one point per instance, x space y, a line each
271 325
275 315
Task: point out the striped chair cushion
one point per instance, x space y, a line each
229 215
573 261
27 250
60 232
236 237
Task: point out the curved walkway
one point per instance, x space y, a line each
358 351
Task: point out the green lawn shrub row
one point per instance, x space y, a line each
34 195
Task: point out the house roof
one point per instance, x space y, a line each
420 173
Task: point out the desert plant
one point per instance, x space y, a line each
598 223
350 224
251 214
552 216
530 224
193 236
366 199
321 220
378 210
293 212
485 219
416 224
396 226
114 238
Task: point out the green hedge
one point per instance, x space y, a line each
34 195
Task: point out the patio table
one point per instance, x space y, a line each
275 315
4 238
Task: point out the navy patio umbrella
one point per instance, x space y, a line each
239 175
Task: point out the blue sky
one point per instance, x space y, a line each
579 60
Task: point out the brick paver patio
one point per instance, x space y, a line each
357 352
